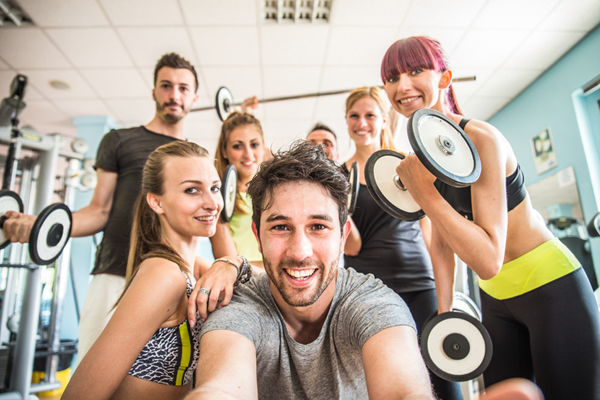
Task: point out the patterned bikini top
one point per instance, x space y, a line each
170 357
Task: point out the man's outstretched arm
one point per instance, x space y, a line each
227 367
394 368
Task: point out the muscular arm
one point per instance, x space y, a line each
480 243
227 367
87 221
153 298
92 218
444 264
394 368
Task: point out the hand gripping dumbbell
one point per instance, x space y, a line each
49 233
443 148
455 345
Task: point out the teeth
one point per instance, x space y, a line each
302 274
404 101
206 218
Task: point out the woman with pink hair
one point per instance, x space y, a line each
537 302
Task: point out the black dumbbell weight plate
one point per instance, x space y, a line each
386 189
229 192
9 201
593 227
354 179
50 233
443 148
456 346
224 103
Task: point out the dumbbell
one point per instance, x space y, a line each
593 227
229 192
441 146
455 345
49 233
354 179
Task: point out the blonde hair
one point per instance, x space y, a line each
146 231
235 120
387 141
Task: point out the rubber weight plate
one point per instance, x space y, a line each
593 227
456 346
9 201
229 192
49 233
224 103
443 148
354 179
386 189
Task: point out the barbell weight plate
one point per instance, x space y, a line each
384 187
229 192
50 233
443 148
224 103
9 201
593 227
354 178
456 346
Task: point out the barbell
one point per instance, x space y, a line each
224 103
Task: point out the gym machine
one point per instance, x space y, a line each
21 311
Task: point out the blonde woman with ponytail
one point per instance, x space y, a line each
392 250
150 347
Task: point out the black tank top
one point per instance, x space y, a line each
460 198
392 250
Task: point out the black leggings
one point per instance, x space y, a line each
550 335
422 305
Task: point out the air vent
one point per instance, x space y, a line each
11 15
296 11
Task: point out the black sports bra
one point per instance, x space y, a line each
460 198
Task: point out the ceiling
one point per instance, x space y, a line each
106 49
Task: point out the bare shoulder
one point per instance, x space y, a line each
162 274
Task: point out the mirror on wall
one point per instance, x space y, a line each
557 199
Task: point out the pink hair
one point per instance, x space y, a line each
417 52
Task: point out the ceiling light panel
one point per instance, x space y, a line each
296 11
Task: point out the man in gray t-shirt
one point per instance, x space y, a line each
308 329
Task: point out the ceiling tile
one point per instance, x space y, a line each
486 48
369 13
79 89
3 65
205 133
40 112
143 12
467 88
507 82
65 13
290 109
331 108
290 81
541 49
293 44
279 134
446 14
242 82
91 47
164 40
83 108
117 83
226 46
30 48
365 46
483 108
573 15
449 38
234 12
140 109
513 14
342 78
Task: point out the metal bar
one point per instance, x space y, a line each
318 94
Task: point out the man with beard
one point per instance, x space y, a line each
119 162
307 329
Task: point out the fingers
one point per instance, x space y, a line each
17 226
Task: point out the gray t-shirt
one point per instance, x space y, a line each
331 366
